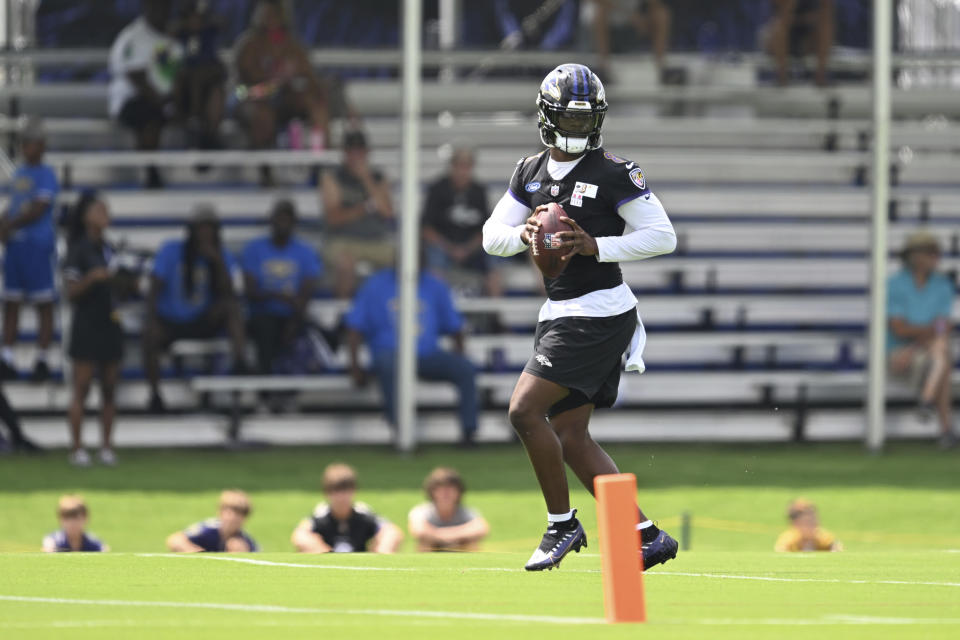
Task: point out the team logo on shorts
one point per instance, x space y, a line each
543 360
555 190
636 177
532 186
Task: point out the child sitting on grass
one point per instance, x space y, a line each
443 523
805 533
224 533
72 513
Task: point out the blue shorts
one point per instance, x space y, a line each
28 272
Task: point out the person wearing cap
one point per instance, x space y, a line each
919 309
96 335
281 273
340 524
223 533
28 234
805 533
443 523
192 296
358 216
73 515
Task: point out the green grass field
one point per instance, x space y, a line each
897 515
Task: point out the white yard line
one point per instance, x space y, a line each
824 621
726 576
267 608
831 620
269 563
563 569
340 567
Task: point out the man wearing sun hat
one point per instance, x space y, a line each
919 307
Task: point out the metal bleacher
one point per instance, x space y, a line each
761 310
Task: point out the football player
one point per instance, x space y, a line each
590 317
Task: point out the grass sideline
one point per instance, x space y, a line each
896 514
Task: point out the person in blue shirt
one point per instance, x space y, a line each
373 318
27 232
281 273
919 306
191 297
73 514
223 533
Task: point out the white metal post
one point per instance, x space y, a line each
408 273
877 363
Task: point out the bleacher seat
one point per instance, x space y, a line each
763 306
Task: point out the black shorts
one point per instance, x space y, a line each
584 355
95 340
202 328
136 113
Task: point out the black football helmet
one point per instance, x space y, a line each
571 104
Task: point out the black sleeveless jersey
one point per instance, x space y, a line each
590 194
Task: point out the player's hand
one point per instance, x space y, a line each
577 241
533 225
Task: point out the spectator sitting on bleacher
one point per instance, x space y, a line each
443 523
277 84
453 218
72 513
144 72
201 97
358 215
29 237
800 27
919 308
615 26
223 533
341 525
281 275
373 317
96 335
192 297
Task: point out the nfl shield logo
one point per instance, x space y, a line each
555 190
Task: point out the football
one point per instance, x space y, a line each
544 248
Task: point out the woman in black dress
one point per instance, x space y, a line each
96 336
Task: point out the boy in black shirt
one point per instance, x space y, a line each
341 525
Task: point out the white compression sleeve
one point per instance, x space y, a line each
501 231
648 233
